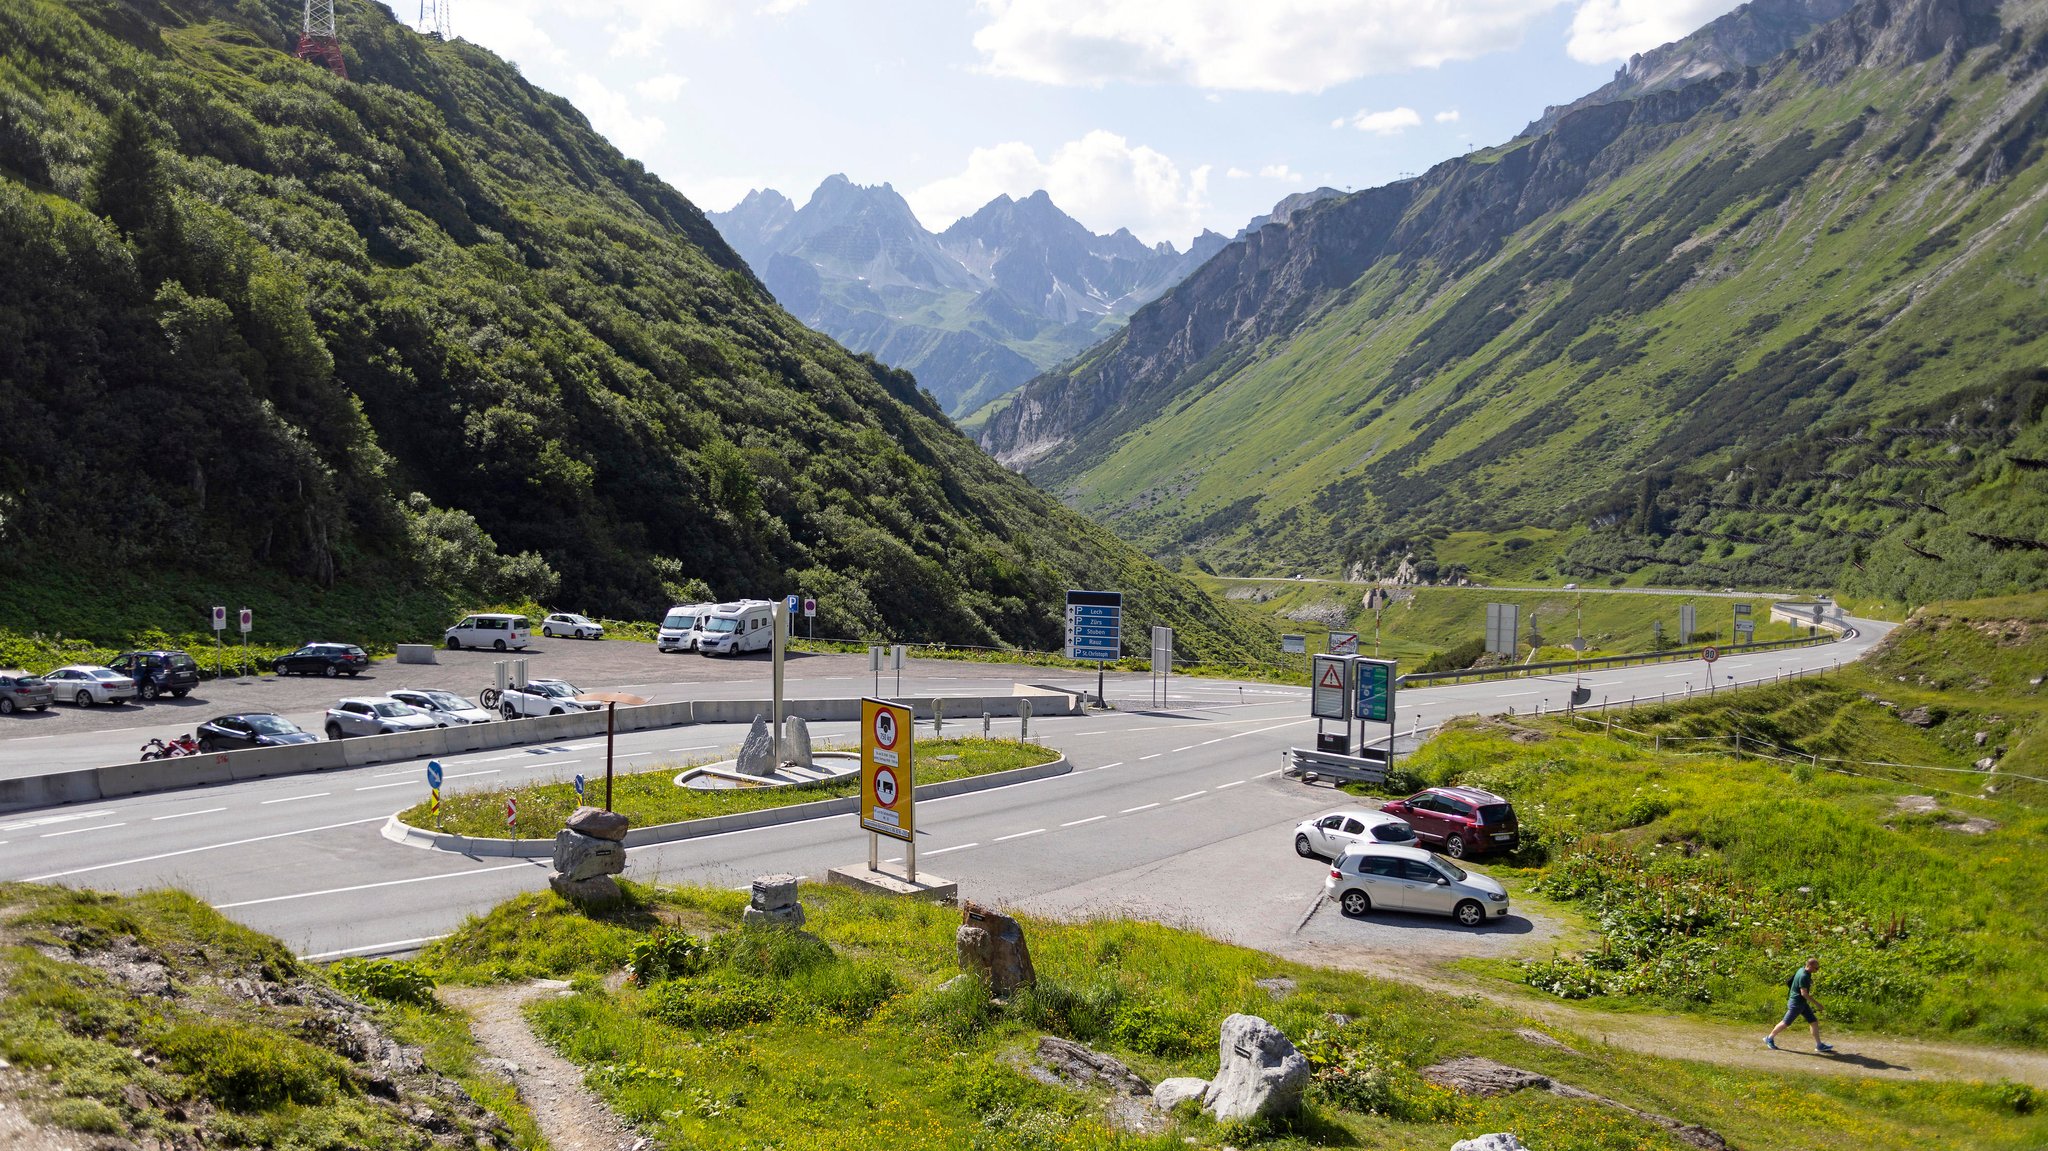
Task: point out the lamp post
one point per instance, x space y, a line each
611 701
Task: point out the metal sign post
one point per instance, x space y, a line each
1503 621
778 647
220 624
810 618
896 652
888 780
1162 664
248 621
875 664
1688 623
1095 629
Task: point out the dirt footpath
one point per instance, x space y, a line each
572 1118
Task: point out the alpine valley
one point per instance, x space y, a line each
973 311
1767 309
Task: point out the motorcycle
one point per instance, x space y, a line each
178 748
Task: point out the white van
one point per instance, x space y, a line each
489 629
679 626
736 628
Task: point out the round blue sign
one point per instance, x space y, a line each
433 773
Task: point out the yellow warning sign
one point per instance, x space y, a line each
887 769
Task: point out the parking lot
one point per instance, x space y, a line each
593 665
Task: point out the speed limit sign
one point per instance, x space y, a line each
1710 654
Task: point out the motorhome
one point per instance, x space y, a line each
736 628
679 626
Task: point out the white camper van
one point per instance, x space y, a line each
678 628
736 628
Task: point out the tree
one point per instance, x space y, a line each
129 187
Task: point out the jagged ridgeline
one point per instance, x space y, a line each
249 309
1778 318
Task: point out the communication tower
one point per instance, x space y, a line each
319 41
434 19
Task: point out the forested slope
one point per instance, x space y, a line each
259 320
1783 323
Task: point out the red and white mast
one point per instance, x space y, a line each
319 41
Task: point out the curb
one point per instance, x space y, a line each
410 836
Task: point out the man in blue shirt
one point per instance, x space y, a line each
1799 1001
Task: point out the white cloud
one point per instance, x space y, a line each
1275 46
1391 122
614 116
781 7
1279 172
1337 123
1102 180
642 29
1604 30
1236 173
1447 117
511 28
665 87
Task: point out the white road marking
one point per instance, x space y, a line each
1234 783
955 847
1264 730
1218 739
1107 766
1154 755
1142 807
205 847
382 786
1517 694
391 946
1079 822
1269 774
1178 750
78 830
296 798
371 886
1020 835
1189 795
183 814
45 821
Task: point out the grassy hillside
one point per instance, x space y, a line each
1781 328
423 330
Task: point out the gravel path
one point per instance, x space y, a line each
572 1118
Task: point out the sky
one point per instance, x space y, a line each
1165 117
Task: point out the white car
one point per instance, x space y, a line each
572 625
543 697
446 708
86 684
495 630
1384 877
1327 836
370 716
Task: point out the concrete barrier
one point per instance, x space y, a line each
86 785
416 653
411 836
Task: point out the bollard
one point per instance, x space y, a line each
1024 719
985 721
938 717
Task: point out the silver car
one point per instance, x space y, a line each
1326 837
445 707
543 697
85 684
571 624
1385 877
375 717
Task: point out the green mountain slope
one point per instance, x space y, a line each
248 309
1646 322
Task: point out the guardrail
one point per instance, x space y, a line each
1512 671
1298 761
93 784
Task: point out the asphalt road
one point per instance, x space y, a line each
1174 813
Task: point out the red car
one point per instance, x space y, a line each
1462 820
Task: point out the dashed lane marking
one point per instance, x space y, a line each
203 847
183 814
1079 822
1189 795
296 798
371 886
82 830
1233 783
1140 807
1019 835
955 847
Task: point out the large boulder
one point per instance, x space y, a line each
992 943
757 753
599 823
1079 1066
796 741
579 856
1262 1075
1494 1141
593 892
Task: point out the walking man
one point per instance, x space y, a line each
1800 1002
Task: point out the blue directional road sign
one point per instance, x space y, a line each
433 773
1095 624
1375 689
579 785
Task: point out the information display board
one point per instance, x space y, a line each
1095 625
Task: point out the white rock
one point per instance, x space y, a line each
1261 1076
1496 1141
1170 1093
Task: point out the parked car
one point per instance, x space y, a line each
1462 820
19 690
543 697
736 628
158 672
88 684
1389 877
1326 837
572 625
328 659
445 707
678 630
494 630
251 729
375 717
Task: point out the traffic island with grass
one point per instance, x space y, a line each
651 797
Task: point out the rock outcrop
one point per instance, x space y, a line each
1261 1076
992 944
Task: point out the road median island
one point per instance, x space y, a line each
473 823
